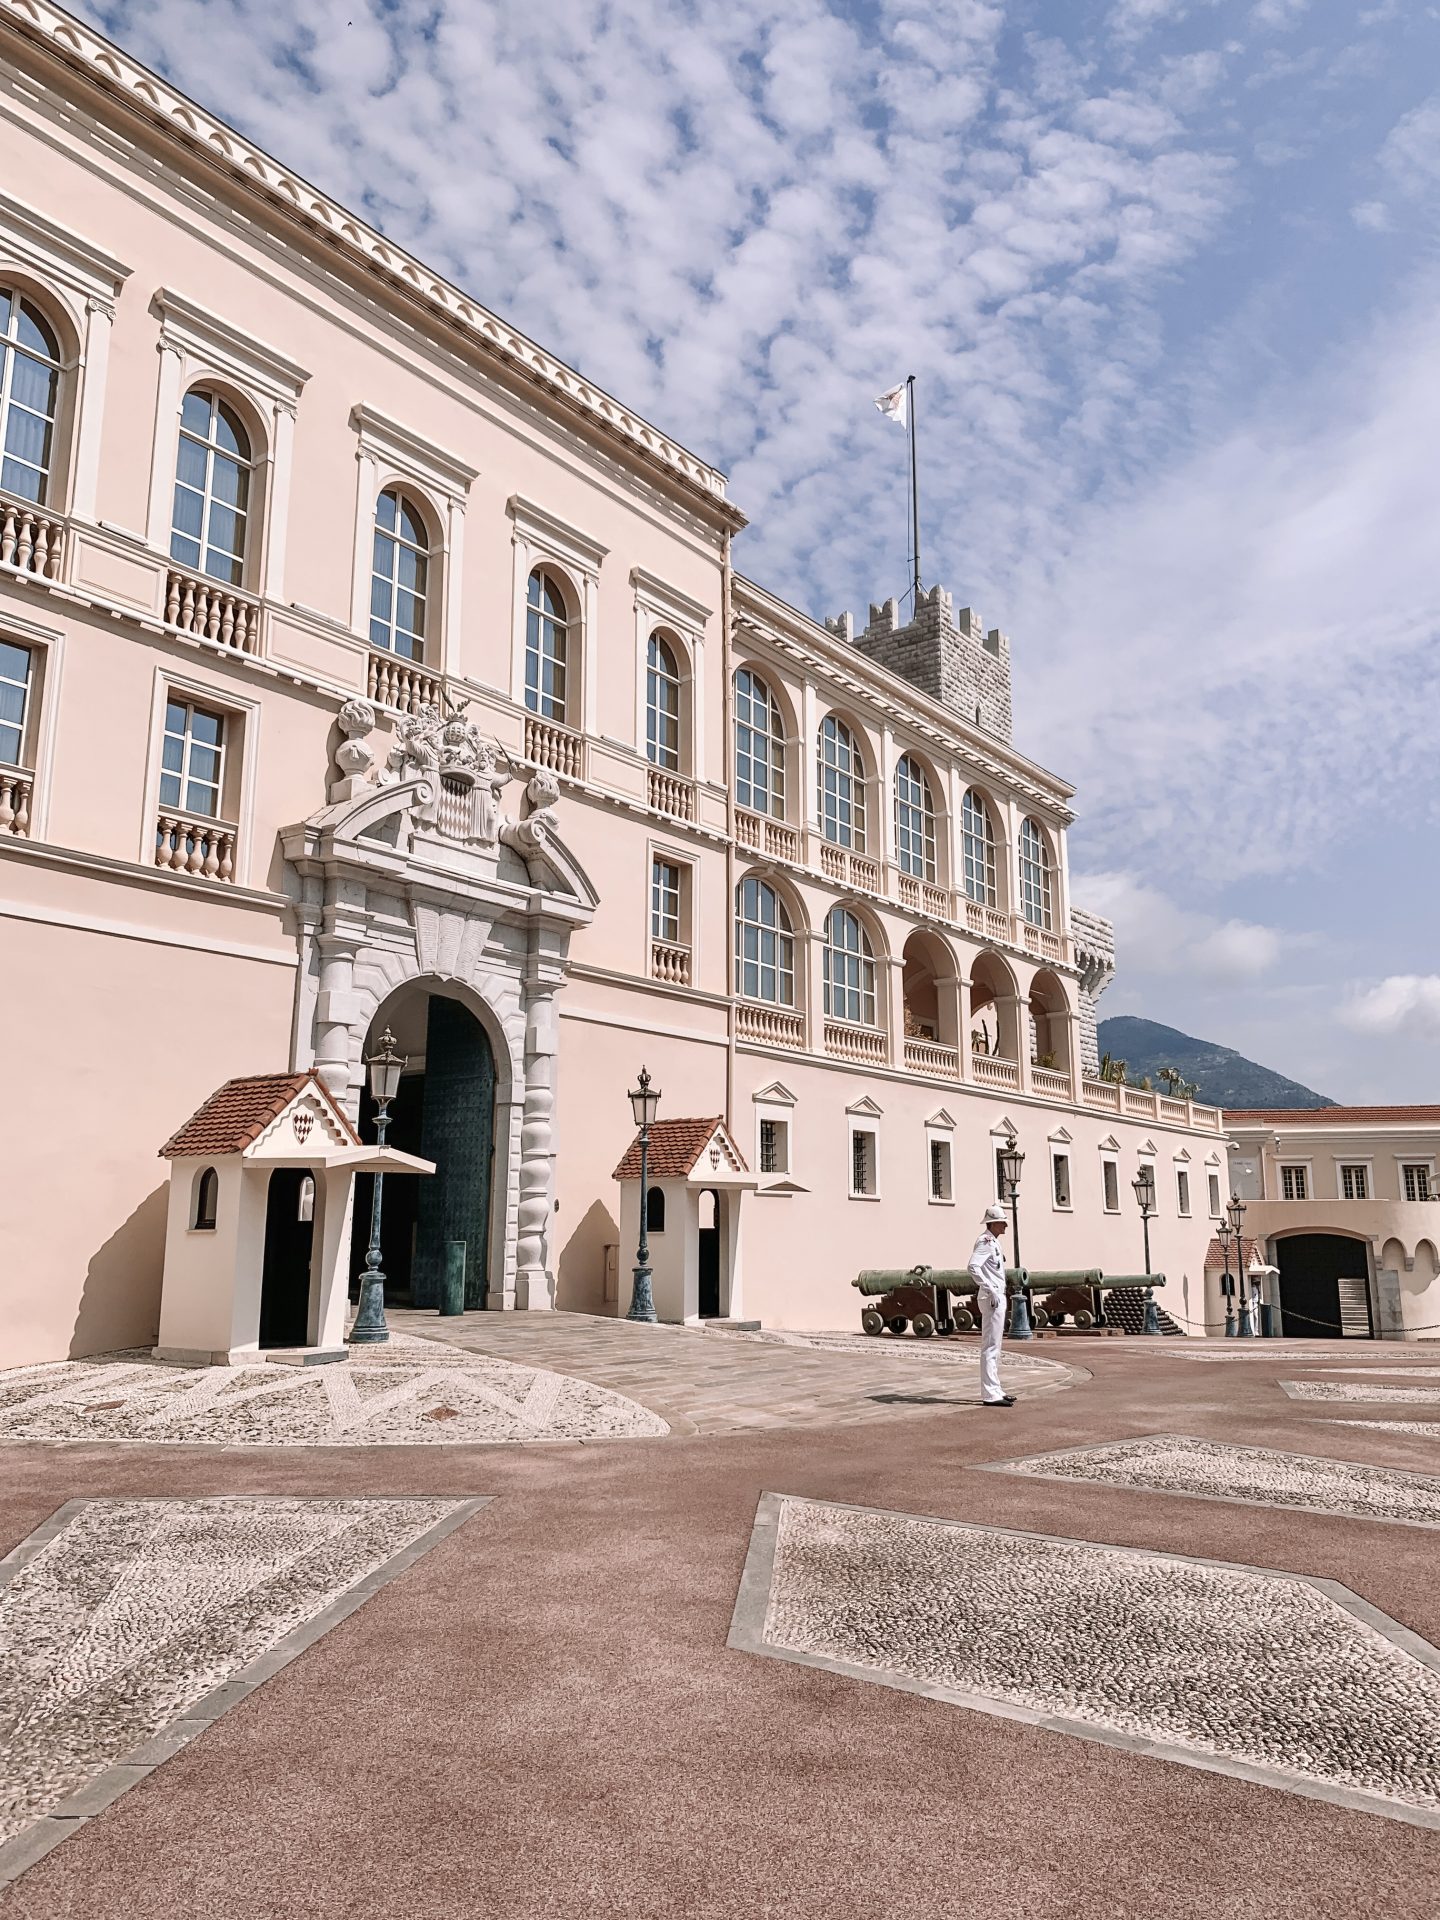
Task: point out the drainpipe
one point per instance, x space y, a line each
727 696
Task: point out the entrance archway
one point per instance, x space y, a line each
285 1276
709 1254
445 1112
1324 1285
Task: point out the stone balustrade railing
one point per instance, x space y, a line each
929 1056
670 793
865 1044
990 1070
402 685
205 848
769 1026
211 610
16 790
1102 1094
771 837
1049 1081
1040 940
30 538
670 963
560 749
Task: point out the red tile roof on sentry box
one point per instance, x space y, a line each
1332 1116
238 1113
675 1146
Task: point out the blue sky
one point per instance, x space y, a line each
1167 274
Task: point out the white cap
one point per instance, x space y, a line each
997 1215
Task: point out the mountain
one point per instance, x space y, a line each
1225 1078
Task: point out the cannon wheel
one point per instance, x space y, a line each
1084 1317
899 1323
923 1325
872 1321
1039 1317
1056 1319
964 1319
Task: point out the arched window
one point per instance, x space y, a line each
914 820
977 844
655 1210
399 577
764 945
29 397
547 647
759 747
1034 875
849 970
662 705
841 774
207 1199
212 489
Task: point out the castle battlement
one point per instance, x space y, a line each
950 656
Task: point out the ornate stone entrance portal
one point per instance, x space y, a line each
414 873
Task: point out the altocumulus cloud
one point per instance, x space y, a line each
1178 382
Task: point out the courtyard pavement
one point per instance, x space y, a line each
764 1642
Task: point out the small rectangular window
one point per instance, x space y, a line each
1182 1191
666 881
1416 1182
774 1146
15 670
999 1174
1214 1196
1060 1178
940 1184
862 1164
1355 1183
1112 1186
1293 1184
192 763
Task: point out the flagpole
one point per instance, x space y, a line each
914 496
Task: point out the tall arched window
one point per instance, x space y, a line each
399 577
662 705
764 945
212 489
914 820
977 845
849 970
547 647
29 397
207 1199
759 747
841 775
1034 875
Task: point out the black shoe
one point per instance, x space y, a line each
1008 1401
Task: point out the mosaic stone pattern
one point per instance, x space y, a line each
136 1610
421 1394
1308 1688
1258 1476
1376 1396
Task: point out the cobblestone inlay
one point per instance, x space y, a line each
127 1626
1376 1396
359 1403
1253 1476
1308 1689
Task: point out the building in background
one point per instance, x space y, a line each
363 666
1346 1202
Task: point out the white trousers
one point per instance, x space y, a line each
992 1331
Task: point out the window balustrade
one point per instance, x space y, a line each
31 539
670 963
16 791
400 684
557 748
212 611
671 793
769 1026
205 848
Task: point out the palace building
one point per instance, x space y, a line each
364 667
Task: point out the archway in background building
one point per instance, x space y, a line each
444 1111
1324 1285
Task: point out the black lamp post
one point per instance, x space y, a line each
1144 1185
386 1068
644 1103
1012 1160
1227 1285
1236 1211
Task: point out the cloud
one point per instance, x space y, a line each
1405 1002
1156 936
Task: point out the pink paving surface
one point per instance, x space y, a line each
542 1718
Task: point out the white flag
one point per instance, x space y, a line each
892 404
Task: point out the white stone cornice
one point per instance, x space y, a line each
107 67
197 331
397 446
659 597
55 253
544 532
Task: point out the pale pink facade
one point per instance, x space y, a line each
212 863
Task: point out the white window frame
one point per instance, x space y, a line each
776 749
540 538
243 714
864 1130
1057 1205
858 975
909 809
855 773
1184 1198
389 456
1423 1161
940 1132
656 713
989 895
683 621
1111 1161
1044 872
12 351
776 1105
786 941
244 559
186 777
46 646
1289 1165
1217 1205
778 1126
1366 1165
662 857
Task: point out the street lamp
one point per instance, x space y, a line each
386 1068
1236 1211
644 1103
1227 1285
1144 1185
1012 1160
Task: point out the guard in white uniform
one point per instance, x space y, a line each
987 1268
